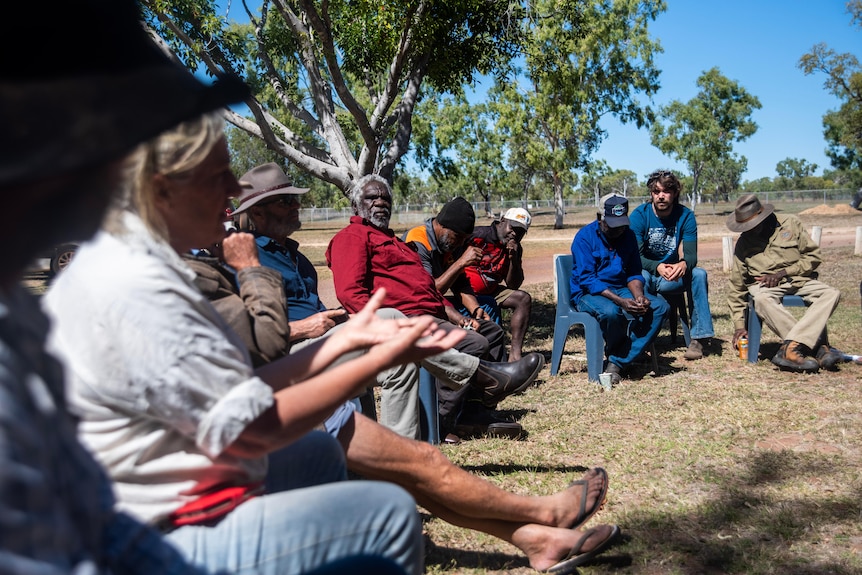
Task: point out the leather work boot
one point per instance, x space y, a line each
614 370
792 357
477 420
694 351
500 380
827 358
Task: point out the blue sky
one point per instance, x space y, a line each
758 44
754 42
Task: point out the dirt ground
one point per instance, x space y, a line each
838 224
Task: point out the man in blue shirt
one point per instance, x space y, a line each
661 228
606 282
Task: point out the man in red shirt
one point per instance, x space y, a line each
366 255
496 277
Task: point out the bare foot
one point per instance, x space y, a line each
570 503
546 546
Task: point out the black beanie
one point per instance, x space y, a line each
457 215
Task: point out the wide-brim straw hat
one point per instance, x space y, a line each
97 86
748 213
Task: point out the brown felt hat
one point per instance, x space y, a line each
262 182
105 88
748 214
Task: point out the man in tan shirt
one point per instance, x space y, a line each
774 257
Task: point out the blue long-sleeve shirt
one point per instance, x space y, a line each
599 265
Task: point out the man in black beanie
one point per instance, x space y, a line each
436 242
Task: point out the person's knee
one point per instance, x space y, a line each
699 275
518 300
474 344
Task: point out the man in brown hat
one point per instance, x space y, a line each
774 257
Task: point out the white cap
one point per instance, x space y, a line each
519 217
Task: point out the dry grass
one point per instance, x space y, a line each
717 466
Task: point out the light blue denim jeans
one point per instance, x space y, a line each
311 516
698 284
626 336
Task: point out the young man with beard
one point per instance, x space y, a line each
663 227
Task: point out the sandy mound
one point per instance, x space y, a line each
836 210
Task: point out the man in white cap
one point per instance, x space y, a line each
607 283
495 279
774 256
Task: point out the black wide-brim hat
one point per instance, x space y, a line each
100 87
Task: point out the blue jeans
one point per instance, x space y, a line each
310 517
696 285
626 336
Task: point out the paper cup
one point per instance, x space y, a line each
606 381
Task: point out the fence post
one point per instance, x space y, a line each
816 232
727 252
858 250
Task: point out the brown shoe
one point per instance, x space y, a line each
792 356
694 351
827 358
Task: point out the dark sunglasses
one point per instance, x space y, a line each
285 200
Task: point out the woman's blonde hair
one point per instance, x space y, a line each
173 154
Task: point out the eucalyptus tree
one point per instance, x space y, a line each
582 60
335 82
793 172
600 179
457 144
702 131
842 127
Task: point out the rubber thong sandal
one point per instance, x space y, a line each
570 562
583 515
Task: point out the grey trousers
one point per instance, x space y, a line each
399 386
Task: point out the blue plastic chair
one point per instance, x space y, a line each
430 415
755 326
567 316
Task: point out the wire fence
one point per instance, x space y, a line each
417 213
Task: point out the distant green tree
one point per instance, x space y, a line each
759 186
335 82
723 177
842 127
793 172
600 179
583 59
702 131
457 143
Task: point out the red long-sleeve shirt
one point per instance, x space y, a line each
364 258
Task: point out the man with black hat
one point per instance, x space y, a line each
67 129
607 283
774 256
366 255
440 242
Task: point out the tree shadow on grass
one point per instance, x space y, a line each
745 528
